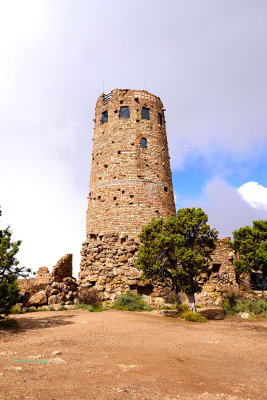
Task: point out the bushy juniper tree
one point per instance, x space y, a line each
9 271
250 243
177 251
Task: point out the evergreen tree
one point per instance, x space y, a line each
250 244
9 272
177 251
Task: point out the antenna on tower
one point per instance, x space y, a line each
145 81
103 86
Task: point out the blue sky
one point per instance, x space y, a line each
206 60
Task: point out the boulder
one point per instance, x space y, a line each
52 299
37 299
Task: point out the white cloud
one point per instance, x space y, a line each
255 194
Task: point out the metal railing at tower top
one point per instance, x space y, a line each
107 96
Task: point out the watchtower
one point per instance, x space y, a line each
130 184
131 180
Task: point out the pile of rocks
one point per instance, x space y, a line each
61 293
65 292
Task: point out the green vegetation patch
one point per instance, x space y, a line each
131 302
193 317
233 306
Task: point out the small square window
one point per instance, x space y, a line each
143 143
104 117
216 268
145 113
124 112
159 119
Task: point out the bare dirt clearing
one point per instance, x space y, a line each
124 355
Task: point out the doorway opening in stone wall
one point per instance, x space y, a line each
145 292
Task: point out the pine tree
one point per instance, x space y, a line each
9 272
177 251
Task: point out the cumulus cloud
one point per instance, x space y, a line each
255 194
226 207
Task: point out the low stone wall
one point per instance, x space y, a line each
108 265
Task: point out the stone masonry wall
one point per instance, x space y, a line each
108 266
129 185
63 268
221 274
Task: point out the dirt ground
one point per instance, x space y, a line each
124 355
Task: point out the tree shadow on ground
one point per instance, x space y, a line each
24 323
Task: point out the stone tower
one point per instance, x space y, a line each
131 180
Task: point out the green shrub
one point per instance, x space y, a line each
16 310
194 317
167 307
99 308
130 302
182 308
253 307
31 309
80 306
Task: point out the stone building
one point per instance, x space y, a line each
131 178
130 184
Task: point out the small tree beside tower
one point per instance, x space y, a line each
177 251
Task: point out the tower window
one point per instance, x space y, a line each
145 113
159 119
165 189
216 268
143 143
104 117
124 112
